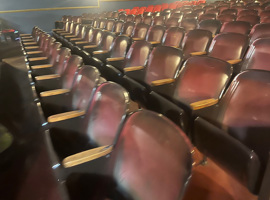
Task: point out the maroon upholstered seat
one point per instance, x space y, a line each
189 24
248 12
229 46
147 20
173 37
140 31
207 16
172 22
259 31
236 27
230 11
252 19
258 55
127 28
155 34
164 170
117 27
158 20
226 18
211 25
195 41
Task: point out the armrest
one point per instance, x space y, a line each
70 36
198 53
175 47
63 34
29 43
162 81
65 116
31 47
46 77
41 66
137 39
57 29
54 92
129 69
125 35
86 156
29 40
154 42
100 52
23 35
232 62
75 39
90 46
34 52
115 59
28 37
82 42
203 103
37 59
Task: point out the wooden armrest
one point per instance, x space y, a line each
54 92
37 59
41 66
89 46
30 43
175 47
115 59
162 81
34 52
232 62
61 31
74 39
22 35
154 42
125 35
86 156
29 40
136 39
82 42
57 29
100 52
213 35
32 47
30 37
70 36
65 116
135 68
198 53
63 34
46 77
116 32
203 104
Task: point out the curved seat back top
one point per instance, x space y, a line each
127 28
202 78
155 33
229 46
226 18
252 19
164 63
259 31
236 27
120 46
61 59
258 55
173 37
140 30
189 24
210 25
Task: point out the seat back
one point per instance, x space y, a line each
158 20
140 30
230 11
117 27
107 40
120 46
96 36
172 22
137 54
130 18
259 31
252 19
86 80
202 77
164 62
109 25
155 33
258 55
53 52
207 16
197 40
147 20
229 46
211 25
102 23
70 68
244 111
122 17
173 37
236 27
226 18
245 12
61 60
128 28
189 24
106 112
162 150
137 19
96 23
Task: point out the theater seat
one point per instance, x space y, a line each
158 20
240 123
76 98
172 22
161 166
155 34
252 19
63 79
96 126
196 42
140 31
127 28
173 37
226 18
259 31
236 27
189 24
211 25
257 56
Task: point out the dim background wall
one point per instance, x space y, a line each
24 21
